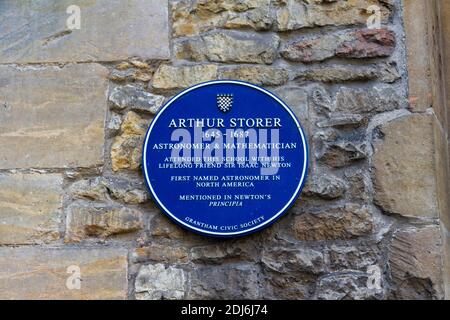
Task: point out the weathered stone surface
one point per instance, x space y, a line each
91 189
284 260
371 100
30 208
231 281
339 13
170 77
341 222
202 15
344 258
339 120
282 15
365 43
340 152
162 227
220 253
38 32
157 282
136 99
325 186
338 74
131 74
107 188
388 72
291 272
311 50
133 70
290 15
297 99
368 43
126 151
59 122
358 184
419 34
261 75
404 167
415 263
230 46
127 191
85 220
165 253
42 273
259 16
385 72
288 286
321 100
114 123
346 287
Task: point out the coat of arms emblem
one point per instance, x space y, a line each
224 102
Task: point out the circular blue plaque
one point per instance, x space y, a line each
225 158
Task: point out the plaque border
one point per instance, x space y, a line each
257 228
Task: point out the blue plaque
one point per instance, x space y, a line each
225 158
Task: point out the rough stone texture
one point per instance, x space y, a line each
230 47
192 19
230 281
244 249
164 253
290 15
136 99
365 43
340 153
377 99
325 13
42 273
59 122
104 189
261 75
282 260
325 186
110 31
156 282
88 220
321 100
131 74
415 263
404 167
30 208
387 73
126 151
342 222
346 287
170 77
134 71
369 43
258 16
297 99
113 126
291 271
342 120
359 183
162 227
282 15
353 258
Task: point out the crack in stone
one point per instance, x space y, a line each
55 37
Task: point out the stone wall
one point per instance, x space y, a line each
75 105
